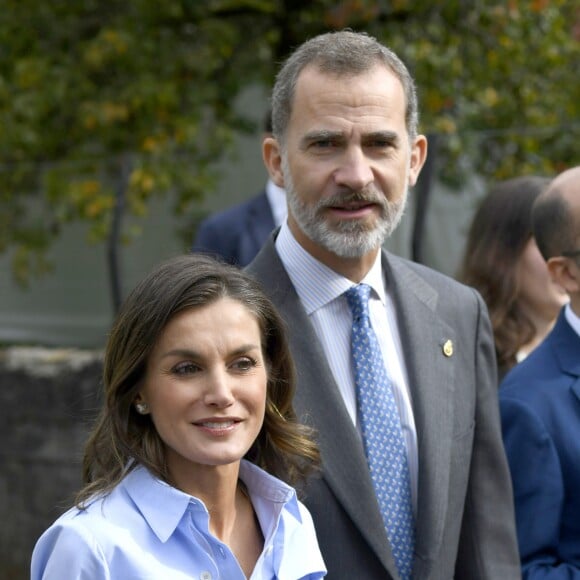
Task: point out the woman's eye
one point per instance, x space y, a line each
244 364
185 368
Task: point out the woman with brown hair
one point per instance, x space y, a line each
503 263
183 469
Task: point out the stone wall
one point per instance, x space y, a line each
48 399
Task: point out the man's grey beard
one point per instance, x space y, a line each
349 238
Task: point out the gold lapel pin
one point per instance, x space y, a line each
448 348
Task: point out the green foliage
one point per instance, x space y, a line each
106 100
496 78
102 100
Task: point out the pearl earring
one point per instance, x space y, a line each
142 408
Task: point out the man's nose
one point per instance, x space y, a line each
355 170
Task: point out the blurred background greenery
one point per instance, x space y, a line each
110 107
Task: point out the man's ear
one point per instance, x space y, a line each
565 272
418 157
272 156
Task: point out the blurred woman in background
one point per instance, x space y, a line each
503 263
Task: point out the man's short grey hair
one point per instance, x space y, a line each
339 53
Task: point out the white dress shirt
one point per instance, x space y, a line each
321 292
572 318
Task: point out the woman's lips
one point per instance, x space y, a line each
217 426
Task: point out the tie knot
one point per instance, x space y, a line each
358 300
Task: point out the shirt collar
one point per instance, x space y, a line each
265 487
164 506
374 279
572 318
316 284
277 200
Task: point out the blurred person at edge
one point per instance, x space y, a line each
198 408
503 263
540 404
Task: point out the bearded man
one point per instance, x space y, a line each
396 364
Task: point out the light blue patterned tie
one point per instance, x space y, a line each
381 431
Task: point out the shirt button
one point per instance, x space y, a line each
205 576
222 552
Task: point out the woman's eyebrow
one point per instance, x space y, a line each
190 353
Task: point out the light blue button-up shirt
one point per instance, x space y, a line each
146 529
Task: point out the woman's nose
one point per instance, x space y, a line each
218 390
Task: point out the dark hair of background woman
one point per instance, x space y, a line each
499 233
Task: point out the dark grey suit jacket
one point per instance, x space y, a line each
465 520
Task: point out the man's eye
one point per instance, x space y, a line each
381 144
324 144
185 368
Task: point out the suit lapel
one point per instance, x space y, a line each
431 379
